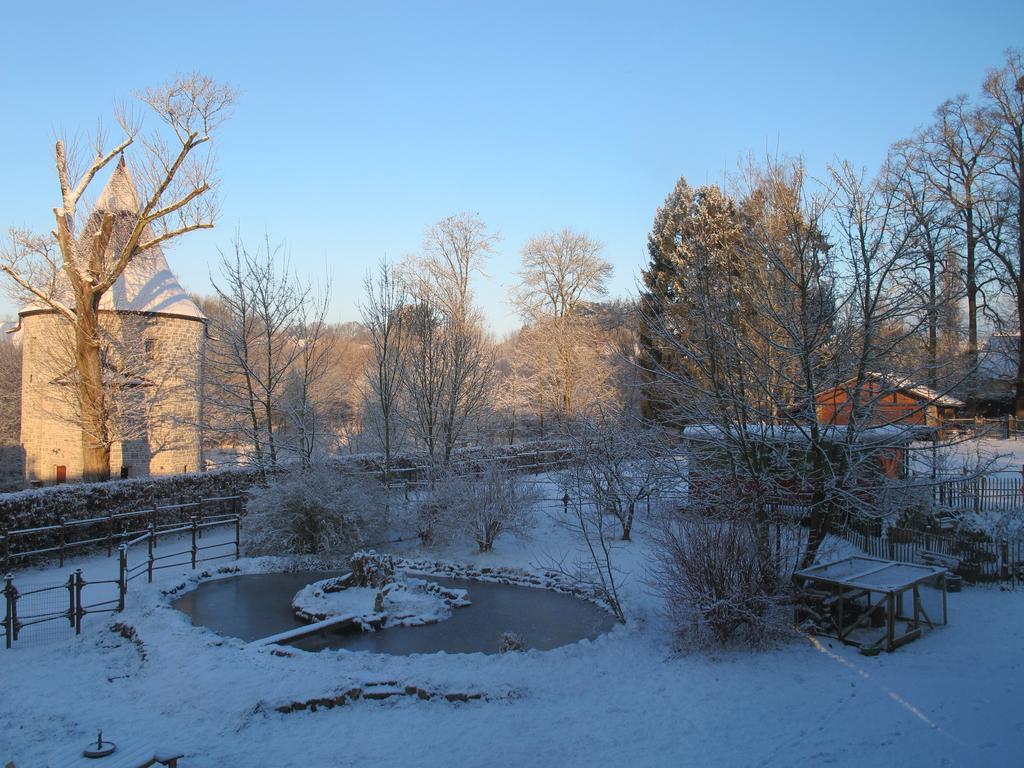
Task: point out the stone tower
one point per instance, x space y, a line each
154 339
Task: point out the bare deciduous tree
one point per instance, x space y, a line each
1004 110
258 341
307 397
560 270
958 157
71 270
451 358
10 391
384 316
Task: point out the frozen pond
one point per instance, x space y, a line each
259 605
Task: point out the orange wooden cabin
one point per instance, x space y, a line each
886 400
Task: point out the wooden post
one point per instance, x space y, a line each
7 544
238 537
890 622
944 618
1004 560
11 614
149 540
840 612
152 524
917 606
122 575
195 551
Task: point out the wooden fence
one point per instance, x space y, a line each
1003 427
980 559
982 493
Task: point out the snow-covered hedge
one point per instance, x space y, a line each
81 501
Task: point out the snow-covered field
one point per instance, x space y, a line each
953 698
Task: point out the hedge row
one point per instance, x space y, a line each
81 501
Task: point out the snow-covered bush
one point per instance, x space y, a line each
482 506
499 502
320 511
617 468
723 579
437 514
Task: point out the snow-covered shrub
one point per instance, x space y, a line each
319 511
436 515
498 502
617 467
723 579
482 506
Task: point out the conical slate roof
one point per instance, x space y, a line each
147 284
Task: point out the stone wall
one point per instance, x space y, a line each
157 364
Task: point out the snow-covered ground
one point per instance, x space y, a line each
955 697
1002 457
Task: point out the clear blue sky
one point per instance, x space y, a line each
360 124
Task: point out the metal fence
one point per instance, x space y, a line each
108 530
67 601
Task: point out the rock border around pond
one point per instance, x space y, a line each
403 602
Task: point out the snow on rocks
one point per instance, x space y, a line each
406 601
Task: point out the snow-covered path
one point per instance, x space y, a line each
952 698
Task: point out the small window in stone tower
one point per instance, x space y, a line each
151 348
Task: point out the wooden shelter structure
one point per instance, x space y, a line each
872 603
881 399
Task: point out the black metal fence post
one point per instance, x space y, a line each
71 598
79 611
11 614
195 549
149 540
238 537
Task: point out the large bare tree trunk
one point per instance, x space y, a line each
91 396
